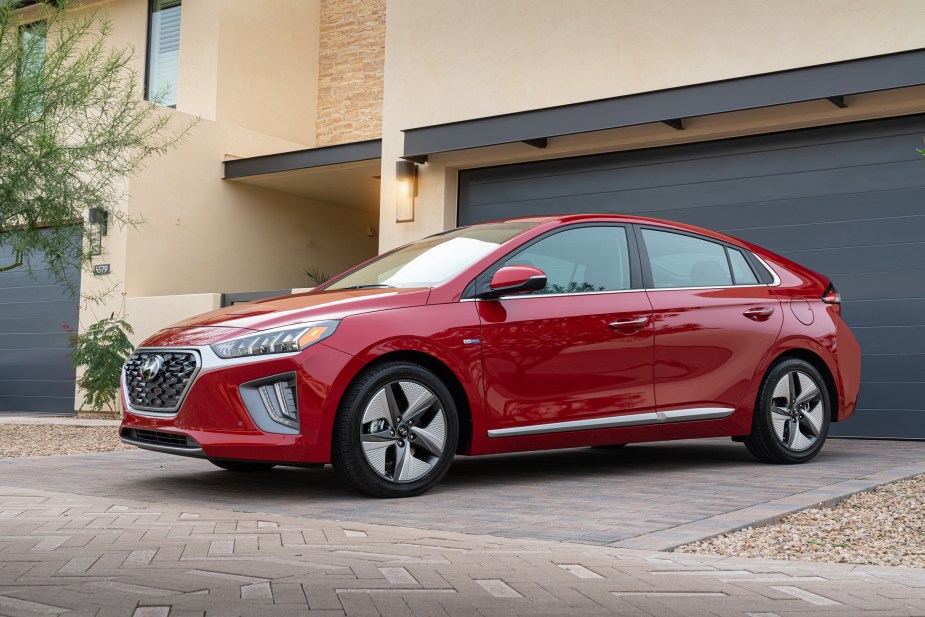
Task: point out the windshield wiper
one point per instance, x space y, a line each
370 286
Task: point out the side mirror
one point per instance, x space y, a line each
515 279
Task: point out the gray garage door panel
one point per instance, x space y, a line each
880 423
884 312
892 395
854 259
894 368
35 366
801 211
875 286
845 200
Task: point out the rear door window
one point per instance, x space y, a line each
741 271
678 260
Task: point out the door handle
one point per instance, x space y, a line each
629 323
759 313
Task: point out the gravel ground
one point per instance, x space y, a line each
48 440
885 526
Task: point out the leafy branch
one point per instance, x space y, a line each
73 127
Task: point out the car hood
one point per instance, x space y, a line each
311 306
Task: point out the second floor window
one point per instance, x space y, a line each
31 78
163 52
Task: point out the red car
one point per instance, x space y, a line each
526 334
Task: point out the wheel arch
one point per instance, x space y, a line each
449 378
816 361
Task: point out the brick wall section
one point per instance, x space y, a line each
350 71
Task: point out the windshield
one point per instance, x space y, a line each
433 260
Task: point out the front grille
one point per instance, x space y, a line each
163 390
160 437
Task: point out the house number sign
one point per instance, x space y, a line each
101 269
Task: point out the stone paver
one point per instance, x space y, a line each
646 496
74 555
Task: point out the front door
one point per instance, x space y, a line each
579 351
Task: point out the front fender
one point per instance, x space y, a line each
447 333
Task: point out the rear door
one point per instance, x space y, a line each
580 349
715 321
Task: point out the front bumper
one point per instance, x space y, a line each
214 416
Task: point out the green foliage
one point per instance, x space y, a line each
101 351
73 127
315 274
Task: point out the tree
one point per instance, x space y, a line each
73 126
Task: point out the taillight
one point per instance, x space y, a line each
831 295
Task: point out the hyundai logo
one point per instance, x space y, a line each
151 366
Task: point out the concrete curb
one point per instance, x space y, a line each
766 513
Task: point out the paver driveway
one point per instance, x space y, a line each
100 557
654 496
145 535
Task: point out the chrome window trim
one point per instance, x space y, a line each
776 279
774 283
634 419
707 287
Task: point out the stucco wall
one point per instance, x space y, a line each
251 63
203 234
448 61
350 78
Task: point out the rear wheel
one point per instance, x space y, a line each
396 431
791 419
243 466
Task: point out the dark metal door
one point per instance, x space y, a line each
35 364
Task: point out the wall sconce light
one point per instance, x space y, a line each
99 227
406 189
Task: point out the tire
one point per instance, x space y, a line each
376 450
243 466
784 429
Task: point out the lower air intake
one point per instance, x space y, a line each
273 403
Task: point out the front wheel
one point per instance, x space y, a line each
791 418
396 431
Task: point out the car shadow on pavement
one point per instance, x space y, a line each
483 474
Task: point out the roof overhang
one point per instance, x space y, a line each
832 82
343 175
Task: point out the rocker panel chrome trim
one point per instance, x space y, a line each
634 419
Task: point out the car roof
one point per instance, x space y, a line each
561 219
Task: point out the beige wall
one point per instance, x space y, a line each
150 314
352 53
448 61
205 234
251 63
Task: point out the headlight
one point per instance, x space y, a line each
278 340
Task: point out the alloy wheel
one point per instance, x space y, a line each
403 431
797 410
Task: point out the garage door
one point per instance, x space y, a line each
848 201
35 367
